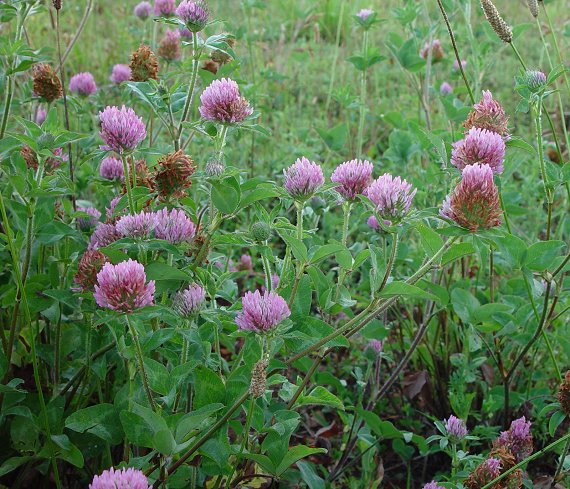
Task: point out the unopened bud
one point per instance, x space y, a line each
260 231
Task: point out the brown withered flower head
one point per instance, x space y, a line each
564 394
258 379
211 66
51 163
139 174
169 47
515 479
485 472
172 176
89 266
57 4
47 84
144 64
488 114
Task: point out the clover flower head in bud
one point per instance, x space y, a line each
139 226
46 83
303 178
111 168
120 73
124 479
433 485
517 439
189 301
221 102
174 226
41 115
123 287
445 89
104 235
169 47
436 50
121 129
488 114
83 84
262 312
474 203
535 80
455 428
164 8
352 177
364 14
260 231
479 146
88 267
194 13
143 10
391 196
87 223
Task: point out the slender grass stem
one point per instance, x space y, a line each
140 360
127 173
362 114
335 56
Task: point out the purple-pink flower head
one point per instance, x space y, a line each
143 10
246 262
222 102
121 129
88 223
174 226
41 115
110 211
455 428
262 312
104 235
479 146
120 479
303 178
365 14
188 302
474 204
169 47
535 80
112 168
123 287
392 197
194 13
436 50
82 84
445 88
164 8
376 345
433 485
120 73
488 114
352 177
138 226
517 439
456 64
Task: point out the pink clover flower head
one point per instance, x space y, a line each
123 287
474 203
303 178
189 301
136 226
352 177
391 196
120 73
120 479
121 129
111 168
221 102
262 312
479 146
83 84
174 226
194 13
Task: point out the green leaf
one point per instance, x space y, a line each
158 376
225 197
335 137
208 387
541 255
101 420
555 421
457 251
294 454
163 441
310 476
464 304
395 289
161 271
323 252
321 397
431 241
